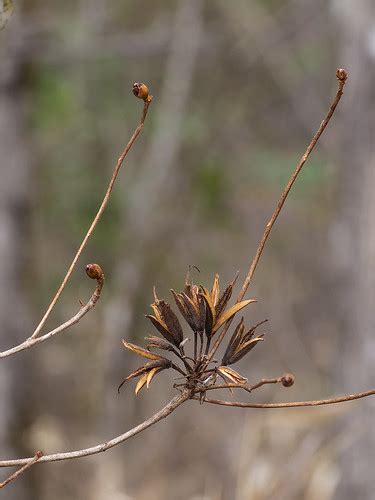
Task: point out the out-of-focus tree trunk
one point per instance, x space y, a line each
354 246
15 186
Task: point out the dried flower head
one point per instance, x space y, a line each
205 312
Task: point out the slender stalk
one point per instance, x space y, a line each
32 461
106 445
96 219
341 75
30 342
294 404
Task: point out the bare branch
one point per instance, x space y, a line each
147 101
99 448
247 388
30 342
293 404
38 455
341 75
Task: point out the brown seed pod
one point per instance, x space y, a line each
94 271
287 379
140 90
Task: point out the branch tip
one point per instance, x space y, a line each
141 91
342 74
94 271
287 380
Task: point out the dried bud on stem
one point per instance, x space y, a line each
287 380
141 91
94 271
341 74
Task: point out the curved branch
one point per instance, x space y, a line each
341 75
32 461
293 404
30 342
163 413
147 101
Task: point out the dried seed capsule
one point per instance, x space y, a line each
94 271
287 380
140 90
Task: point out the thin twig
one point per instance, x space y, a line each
30 342
341 75
38 455
293 404
248 388
163 413
96 218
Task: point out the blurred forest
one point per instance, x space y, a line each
239 89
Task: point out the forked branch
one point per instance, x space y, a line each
94 272
141 91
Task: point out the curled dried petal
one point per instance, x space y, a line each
229 313
232 375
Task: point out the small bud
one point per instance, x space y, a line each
39 454
287 380
341 74
94 271
140 90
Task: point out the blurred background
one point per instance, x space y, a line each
239 89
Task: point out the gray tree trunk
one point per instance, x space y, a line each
15 182
354 246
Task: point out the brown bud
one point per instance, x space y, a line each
287 379
94 271
140 90
342 74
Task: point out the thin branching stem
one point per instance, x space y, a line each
341 77
30 342
106 445
293 404
96 219
31 461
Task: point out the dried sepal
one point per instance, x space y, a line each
191 306
210 316
158 343
141 382
159 364
233 343
231 375
140 351
241 343
229 313
161 327
150 376
224 298
166 321
215 291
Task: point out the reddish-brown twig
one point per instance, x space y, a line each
97 217
38 455
293 404
341 75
